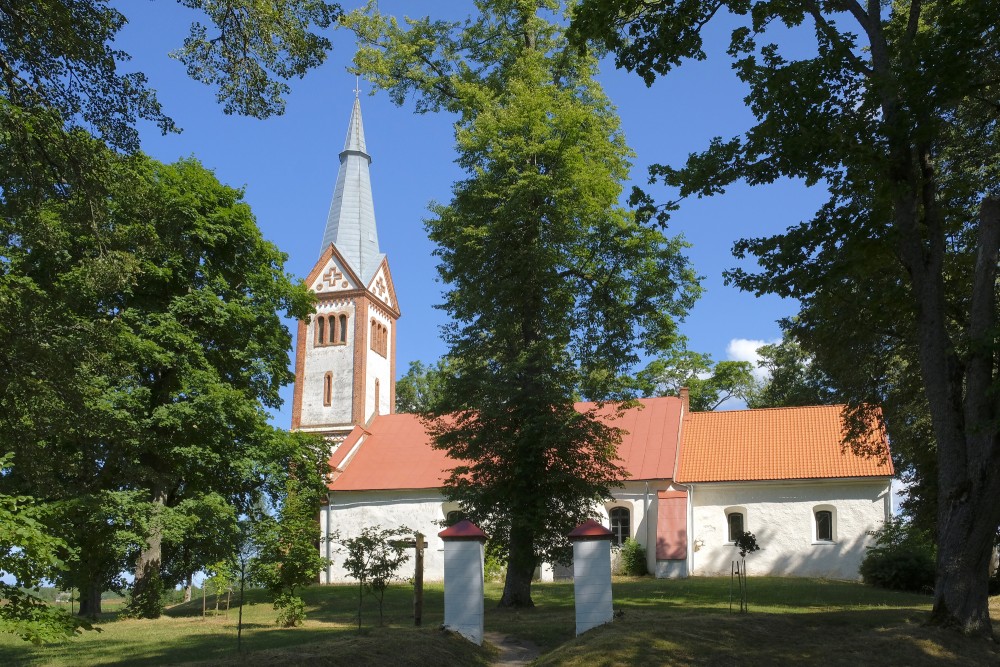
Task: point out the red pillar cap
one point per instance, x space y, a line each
590 530
463 530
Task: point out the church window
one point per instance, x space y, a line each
320 330
328 388
376 396
824 523
342 319
379 337
736 525
620 525
453 517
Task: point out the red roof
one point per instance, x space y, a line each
396 455
781 443
396 452
773 444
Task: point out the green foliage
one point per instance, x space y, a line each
709 385
419 389
373 557
633 559
902 558
553 288
255 48
895 112
746 544
793 377
288 557
291 610
29 554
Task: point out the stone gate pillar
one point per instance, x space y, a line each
463 580
591 575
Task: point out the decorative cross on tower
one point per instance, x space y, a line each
331 277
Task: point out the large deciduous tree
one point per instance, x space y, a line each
895 110
552 287
110 360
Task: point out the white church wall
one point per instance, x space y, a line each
339 360
640 499
418 510
781 516
378 367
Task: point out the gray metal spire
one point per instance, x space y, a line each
351 223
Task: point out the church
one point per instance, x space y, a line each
696 479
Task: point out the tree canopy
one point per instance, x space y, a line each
709 384
895 110
553 288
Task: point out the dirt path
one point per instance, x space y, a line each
513 651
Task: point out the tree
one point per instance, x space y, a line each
420 387
373 558
70 264
896 112
29 554
792 378
709 385
155 346
288 556
552 288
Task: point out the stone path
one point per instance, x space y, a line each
513 651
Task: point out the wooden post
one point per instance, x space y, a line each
418 580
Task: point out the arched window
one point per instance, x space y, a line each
620 525
824 523
376 396
320 330
328 388
453 517
736 525
343 328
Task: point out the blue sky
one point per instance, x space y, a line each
288 167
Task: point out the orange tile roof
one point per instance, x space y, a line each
772 444
396 453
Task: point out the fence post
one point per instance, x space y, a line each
463 580
591 575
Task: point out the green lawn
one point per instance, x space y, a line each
663 622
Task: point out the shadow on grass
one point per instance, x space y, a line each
871 637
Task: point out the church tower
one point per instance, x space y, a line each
345 358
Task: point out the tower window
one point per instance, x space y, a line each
328 388
342 319
320 330
379 337
376 396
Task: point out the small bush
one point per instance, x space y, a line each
902 558
291 610
633 559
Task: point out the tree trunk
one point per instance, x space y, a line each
520 571
146 590
90 600
960 396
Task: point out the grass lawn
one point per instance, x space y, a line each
663 622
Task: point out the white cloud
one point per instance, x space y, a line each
745 349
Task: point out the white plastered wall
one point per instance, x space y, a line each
378 367
338 359
781 516
351 512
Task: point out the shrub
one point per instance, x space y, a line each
633 559
291 610
902 558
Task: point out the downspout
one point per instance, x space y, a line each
650 546
690 531
329 532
